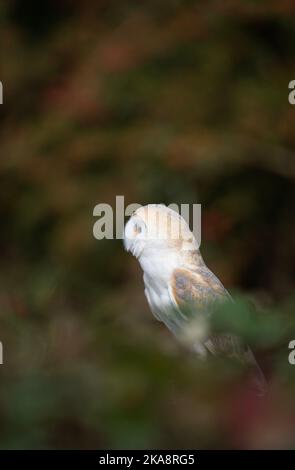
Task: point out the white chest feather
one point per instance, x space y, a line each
157 294
157 278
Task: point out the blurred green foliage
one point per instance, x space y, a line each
172 101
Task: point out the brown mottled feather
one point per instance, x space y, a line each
202 288
199 286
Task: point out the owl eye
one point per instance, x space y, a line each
137 229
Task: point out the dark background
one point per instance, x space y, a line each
176 102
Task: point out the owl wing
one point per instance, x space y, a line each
200 288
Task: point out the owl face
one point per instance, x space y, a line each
135 235
156 227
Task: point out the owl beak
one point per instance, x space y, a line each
127 244
128 239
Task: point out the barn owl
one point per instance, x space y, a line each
176 276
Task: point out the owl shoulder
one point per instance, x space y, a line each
198 285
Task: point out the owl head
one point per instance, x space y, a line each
157 227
